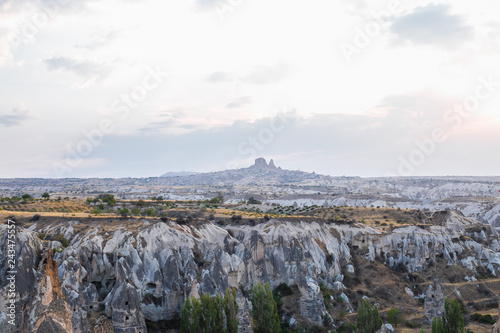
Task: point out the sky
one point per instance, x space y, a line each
138 88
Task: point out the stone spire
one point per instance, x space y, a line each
271 164
260 163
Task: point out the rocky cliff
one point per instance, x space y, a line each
119 273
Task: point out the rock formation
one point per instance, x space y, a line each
434 301
142 270
47 309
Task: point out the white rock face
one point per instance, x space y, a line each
156 266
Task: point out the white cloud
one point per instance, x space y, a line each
227 76
16 117
433 25
90 70
239 102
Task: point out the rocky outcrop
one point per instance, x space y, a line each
47 309
123 304
434 301
271 164
137 271
387 328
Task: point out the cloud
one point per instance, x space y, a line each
261 74
239 102
368 144
90 70
49 6
268 74
348 144
206 4
172 121
101 39
432 25
16 117
217 77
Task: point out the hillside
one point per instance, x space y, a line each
259 173
133 275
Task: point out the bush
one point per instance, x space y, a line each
346 328
410 324
141 203
107 198
264 310
212 314
394 316
486 319
253 201
124 212
368 320
451 321
283 289
214 200
63 240
235 218
148 212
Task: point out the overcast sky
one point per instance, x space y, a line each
117 88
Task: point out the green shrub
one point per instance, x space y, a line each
61 239
212 314
264 310
394 316
484 319
283 289
451 321
368 320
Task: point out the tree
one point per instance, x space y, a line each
231 310
208 319
452 320
253 201
148 212
190 316
140 203
214 200
26 197
46 196
368 320
210 314
220 196
123 212
394 316
136 211
108 198
264 310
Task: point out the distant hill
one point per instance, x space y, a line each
259 173
179 174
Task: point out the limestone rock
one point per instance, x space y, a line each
387 328
123 304
434 301
47 310
156 266
271 164
103 325
260 163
